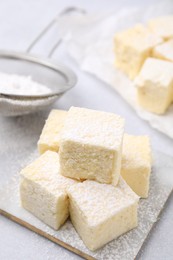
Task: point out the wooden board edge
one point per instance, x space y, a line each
46 235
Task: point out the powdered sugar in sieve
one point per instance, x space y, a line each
21 85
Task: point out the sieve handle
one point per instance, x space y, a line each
49 26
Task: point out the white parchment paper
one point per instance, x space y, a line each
90 42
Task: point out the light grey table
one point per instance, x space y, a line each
20 22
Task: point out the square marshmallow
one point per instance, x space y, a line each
133 47
43 190
90 145
162 26
102 212
164 51
136 163
155 85
49 138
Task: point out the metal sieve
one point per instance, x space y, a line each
57 77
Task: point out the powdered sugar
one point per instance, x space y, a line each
21 85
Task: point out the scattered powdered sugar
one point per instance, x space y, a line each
21 85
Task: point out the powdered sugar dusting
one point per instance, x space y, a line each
95 128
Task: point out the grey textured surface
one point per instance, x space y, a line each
16 32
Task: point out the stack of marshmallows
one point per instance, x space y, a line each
145 54
88 169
